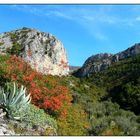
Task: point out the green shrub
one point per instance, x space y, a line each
15 50
1 43
108 119
74 123
34 121
13 36
127 96
35 116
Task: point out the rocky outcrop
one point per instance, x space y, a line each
43 51
134 50
102 61
94 64
4 130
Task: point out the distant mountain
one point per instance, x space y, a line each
102 61
73 68
43 51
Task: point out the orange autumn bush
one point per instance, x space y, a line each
47 92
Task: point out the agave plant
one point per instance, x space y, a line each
14 98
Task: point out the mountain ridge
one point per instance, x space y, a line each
102 61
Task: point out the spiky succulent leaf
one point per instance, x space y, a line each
14 98
4 97
13 91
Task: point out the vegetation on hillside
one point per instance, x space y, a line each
106 103
49 93
122 82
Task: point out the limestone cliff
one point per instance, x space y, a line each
43 51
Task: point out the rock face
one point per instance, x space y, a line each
41 50
4 130
102 61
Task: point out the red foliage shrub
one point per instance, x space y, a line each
47 92
29 53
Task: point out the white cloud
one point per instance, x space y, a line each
58 14
92 17
88 18
100 36
138 18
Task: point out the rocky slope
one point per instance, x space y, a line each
4 130
41 50
102 61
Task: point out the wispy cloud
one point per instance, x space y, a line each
100 36
91 17
75 13
55 13
138 18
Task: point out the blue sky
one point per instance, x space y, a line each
84 30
